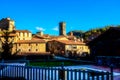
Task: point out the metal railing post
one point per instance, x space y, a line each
62 72
111 71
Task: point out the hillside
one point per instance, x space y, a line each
90 34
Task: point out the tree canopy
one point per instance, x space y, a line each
6 44
90 34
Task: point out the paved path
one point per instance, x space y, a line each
116 71
116 77
93 67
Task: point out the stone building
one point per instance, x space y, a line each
23 41
61 44
68 48
26 43
26 47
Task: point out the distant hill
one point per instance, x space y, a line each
77 33
90 34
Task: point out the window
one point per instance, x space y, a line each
19 50
74 47
29 49
19 44
25 34
81 48
70 46
21 34
86 47
36 44
29 34
36 49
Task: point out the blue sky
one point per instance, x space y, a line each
35 15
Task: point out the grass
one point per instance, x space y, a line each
51 64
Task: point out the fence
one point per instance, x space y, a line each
59 73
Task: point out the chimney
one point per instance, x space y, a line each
71 33
40 33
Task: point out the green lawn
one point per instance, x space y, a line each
51 64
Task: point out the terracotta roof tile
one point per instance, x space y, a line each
12 35
23 31
70 42
41 37
31 41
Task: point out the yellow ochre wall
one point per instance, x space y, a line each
29 47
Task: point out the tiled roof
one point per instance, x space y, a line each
70 42
31 41
11 35
71 37
59 38
50 37
23 31
41 37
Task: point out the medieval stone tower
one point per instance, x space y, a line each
7 24
62 28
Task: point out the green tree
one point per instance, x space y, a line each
95 32
77 33
6 44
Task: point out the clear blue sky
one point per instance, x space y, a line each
46 14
